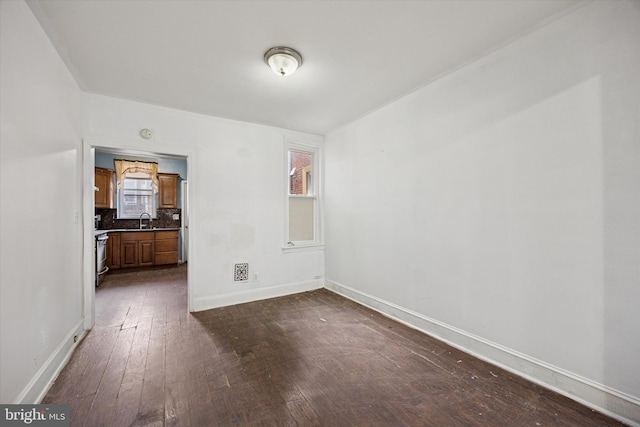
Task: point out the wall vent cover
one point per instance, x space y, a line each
241 272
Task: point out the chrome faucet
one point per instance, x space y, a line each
149 216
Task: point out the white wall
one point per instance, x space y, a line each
40 190
499 207
237 175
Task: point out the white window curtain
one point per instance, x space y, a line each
136 169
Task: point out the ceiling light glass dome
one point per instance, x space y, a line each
283 60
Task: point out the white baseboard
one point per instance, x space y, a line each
39 385
255 294
604 399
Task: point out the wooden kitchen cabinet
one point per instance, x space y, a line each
142 248
136 249
113 251
145 252
168 190
129 254
166 247
103 179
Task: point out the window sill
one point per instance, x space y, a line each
303 247
302 196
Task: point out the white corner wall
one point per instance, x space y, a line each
236 196
40 191
499 207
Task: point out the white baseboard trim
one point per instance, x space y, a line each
39 385
613 403
255 294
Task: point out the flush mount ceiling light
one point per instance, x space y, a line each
283 60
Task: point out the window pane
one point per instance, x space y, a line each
136 197
301 218
141 184
135 204
300 173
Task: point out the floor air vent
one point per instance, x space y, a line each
241 272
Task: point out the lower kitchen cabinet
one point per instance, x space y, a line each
166 247
142 248
145 252
129 254
136 249
113 251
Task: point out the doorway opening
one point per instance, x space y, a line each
155 243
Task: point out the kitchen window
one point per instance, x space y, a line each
137 184
135 198
303 227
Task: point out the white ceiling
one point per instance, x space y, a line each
206 56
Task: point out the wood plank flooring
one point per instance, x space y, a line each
311 359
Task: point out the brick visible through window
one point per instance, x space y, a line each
300 173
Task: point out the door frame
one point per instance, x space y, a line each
184 194
89 146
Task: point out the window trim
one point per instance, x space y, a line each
316 195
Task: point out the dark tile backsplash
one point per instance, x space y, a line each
165 219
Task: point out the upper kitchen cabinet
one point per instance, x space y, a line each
168 190
103 179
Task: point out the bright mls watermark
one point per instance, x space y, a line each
34 415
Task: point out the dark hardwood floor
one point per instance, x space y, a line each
311 359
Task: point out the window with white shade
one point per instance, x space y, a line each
137 186
302 197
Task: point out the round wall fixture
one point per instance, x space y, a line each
283 60
146 133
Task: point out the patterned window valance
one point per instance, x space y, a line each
136 169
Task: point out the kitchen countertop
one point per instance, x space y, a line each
121 230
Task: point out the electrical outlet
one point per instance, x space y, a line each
255 277
76 217
176 217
